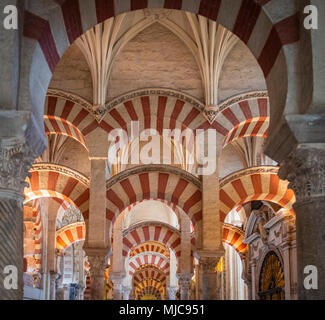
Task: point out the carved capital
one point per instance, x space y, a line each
97 265
304 168
15 161
184 280
208 264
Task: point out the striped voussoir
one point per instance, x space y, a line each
149 273
52 181
69 235
130 186
257 183
250 20
243 118
150 247
169 236
149 292
149 259
64 116
234 236
150 283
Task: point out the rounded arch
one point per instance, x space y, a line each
149 272
234 237
64 114
243 116
157 232
149 259
69 235
150 283
265 31
155 247
59 182
258 183
155 182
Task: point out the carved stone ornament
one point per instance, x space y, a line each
208 264
184 280
304 168
15 162
97 265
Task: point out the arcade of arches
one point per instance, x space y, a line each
99 196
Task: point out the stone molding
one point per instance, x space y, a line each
154 168
249 171
305 170
61 169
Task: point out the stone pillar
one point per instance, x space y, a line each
184 281
98 230
15 161
172 291
97 262
211 238
211 281
304 168
53 284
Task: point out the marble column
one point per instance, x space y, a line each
15 161
304 168
97 262
184 281
172 291
117 279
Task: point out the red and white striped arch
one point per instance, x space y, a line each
149 291
243 118
258 183
65 116
169 236
150 283
150 247
53 181
69 235
234 236
149 259
258 23
149 273
156 183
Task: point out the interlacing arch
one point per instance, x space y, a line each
149 259
69 235
150 231
154 182
59 182
234 237
257 183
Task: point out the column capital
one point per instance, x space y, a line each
304 168
184 278
117 277
16 158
